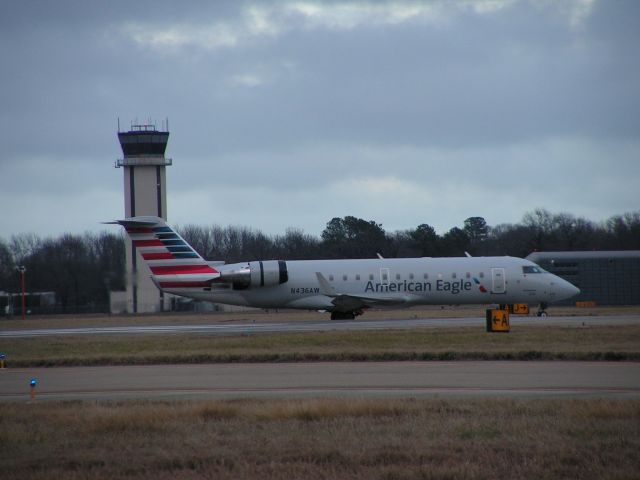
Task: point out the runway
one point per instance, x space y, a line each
317 326
415 379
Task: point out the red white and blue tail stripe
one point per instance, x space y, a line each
174 264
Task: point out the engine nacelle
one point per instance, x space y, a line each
257 274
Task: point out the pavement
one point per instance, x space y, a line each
235 328
461 378
378 379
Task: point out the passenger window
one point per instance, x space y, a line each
426 276
358 276
454 275
331 278
468 275
371 277
397 276
344 278
481 274
411 276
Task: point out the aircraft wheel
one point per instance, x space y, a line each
342 316
542 309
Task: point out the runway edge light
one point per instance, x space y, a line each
32 389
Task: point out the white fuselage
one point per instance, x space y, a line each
402 281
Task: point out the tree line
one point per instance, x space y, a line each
82 269
352 237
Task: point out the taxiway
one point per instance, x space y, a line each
236 328
462 378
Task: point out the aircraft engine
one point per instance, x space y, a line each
257 274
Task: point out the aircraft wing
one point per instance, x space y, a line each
348 302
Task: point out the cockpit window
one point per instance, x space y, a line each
532 269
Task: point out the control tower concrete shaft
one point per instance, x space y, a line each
145 193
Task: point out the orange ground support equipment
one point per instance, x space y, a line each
585 304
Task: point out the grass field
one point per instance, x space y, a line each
523 343
323 438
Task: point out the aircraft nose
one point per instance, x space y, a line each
568 290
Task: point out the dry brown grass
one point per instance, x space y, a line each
522 343
350 438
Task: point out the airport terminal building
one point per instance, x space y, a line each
606 277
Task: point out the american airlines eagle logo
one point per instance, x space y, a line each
480 286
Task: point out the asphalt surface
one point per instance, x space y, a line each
383 379
309 326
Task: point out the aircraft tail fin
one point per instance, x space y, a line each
173 263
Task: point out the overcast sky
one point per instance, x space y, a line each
287 114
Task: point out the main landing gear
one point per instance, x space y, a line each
335 315
542 310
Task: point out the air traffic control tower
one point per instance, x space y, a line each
145 193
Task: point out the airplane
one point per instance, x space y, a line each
344 288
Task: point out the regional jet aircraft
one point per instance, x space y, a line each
345 288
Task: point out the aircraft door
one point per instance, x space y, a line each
498 284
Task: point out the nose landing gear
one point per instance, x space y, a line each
542 310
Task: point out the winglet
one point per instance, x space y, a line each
325 286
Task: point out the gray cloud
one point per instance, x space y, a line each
403 112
